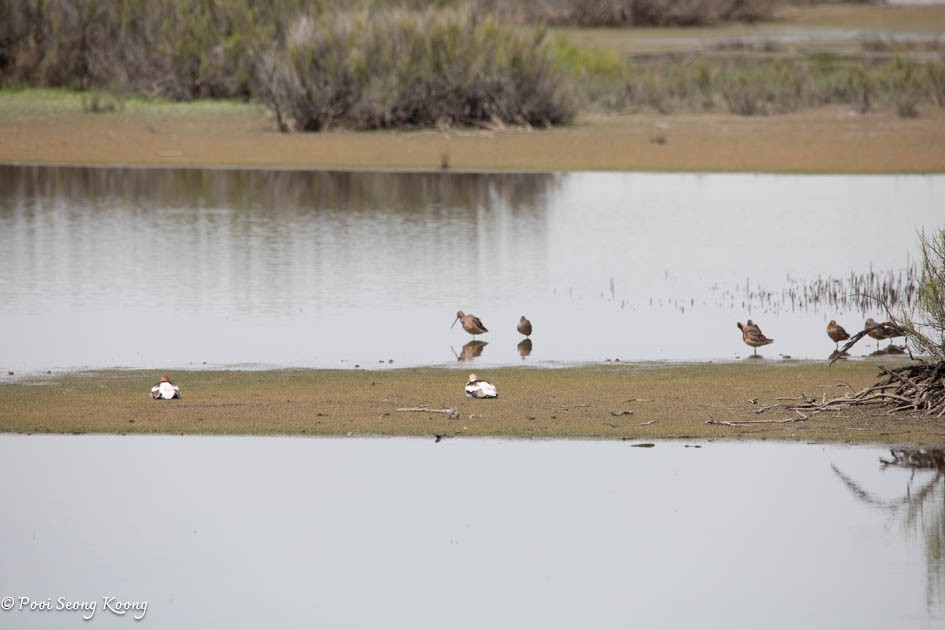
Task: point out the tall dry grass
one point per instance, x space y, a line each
752 86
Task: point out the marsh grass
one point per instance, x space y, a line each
751 86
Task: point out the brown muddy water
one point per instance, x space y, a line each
404 533
161 268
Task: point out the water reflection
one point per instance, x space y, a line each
471 350
919 507
282 532
524 348
330 269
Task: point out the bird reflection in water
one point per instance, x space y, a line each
471 350
524 347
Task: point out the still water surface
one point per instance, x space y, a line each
404 533
121 267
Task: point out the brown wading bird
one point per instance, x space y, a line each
524 327
886 330
471 323
836 332
752 335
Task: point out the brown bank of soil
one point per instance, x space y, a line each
39 127
611 401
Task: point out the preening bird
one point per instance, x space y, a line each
752 335
480 389
524 327
836 332
165 389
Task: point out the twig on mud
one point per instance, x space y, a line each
739 423
452 412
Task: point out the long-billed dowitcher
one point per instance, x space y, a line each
836 332
880 331
752 335
524 327
165 389
471 323
886 330
480 389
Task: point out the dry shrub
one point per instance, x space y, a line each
408 68
693 12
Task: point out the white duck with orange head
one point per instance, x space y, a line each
165 389
480 389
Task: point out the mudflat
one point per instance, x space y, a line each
53 127
745 400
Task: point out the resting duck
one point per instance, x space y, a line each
752 335
480 389
165 389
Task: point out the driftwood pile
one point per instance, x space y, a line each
914 388
910 388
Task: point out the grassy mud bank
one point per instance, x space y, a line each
54 127
632 402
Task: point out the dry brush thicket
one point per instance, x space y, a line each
395 63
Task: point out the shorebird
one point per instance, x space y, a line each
752 335
480 389
471 323
886 330
879 331
524 327
836 332
165 389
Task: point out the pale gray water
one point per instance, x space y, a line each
251 532
105 267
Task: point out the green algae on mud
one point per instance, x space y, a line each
606 401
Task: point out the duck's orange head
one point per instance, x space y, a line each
165 379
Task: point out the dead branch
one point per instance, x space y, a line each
738 423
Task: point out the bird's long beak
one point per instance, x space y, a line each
454 322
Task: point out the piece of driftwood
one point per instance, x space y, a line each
739 423
452 412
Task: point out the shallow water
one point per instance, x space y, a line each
106 267
293 532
